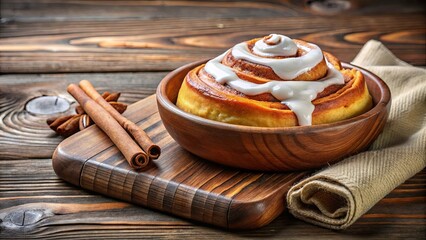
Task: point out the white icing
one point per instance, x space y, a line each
297 95
285 68
279 45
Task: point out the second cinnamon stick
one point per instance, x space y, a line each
134 155
138 134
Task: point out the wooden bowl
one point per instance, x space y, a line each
272 149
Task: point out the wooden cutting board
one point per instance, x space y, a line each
179 182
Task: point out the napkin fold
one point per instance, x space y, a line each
337 196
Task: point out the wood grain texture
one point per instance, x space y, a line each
46 10
35 203
55 209
138 44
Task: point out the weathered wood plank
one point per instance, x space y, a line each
47 10
27 10
164 44
64 211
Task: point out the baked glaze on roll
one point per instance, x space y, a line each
274 81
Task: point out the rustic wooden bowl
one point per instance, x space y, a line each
272 149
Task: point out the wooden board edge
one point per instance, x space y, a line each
66 166
261 212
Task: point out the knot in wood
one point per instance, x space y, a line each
26 217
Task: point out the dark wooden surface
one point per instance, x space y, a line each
129 46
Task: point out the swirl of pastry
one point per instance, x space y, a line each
274 81
277 57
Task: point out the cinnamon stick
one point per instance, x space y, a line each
138 134
134 155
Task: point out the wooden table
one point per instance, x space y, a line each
128 46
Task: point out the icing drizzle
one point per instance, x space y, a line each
297 95
275 45
285 68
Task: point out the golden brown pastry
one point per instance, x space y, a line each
274 81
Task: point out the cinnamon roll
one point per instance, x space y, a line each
274 81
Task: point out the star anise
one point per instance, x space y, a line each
70 124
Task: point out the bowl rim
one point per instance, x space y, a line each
168 104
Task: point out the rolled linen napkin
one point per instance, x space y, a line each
337 196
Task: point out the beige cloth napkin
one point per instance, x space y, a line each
337 196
